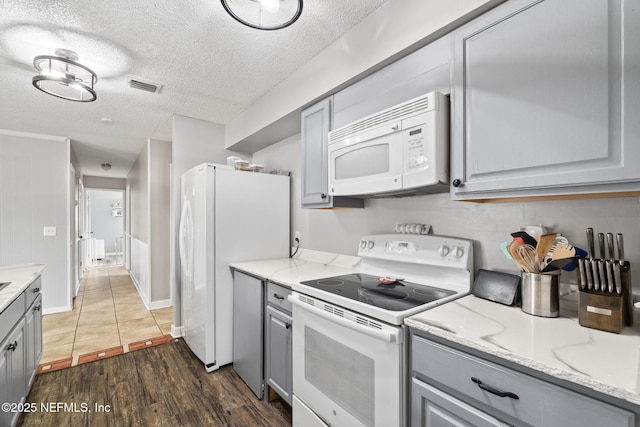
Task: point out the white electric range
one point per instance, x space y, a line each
348 338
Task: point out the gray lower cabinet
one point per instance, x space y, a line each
248 303
20 349
545 100
452 388
278 351
315 127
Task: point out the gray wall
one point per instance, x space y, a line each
103 224
34 187
487 224
104 182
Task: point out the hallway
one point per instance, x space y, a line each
108 318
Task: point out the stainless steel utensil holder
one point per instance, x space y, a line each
540 294
606 311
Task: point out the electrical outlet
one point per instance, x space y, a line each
297 235
49 231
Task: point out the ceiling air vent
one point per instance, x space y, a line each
146 86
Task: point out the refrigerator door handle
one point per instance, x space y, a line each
185 239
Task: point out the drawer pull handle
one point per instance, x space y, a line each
36 290
493 390
13 346
276 296
287 325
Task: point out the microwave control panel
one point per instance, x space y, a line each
416 151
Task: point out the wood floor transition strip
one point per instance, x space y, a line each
69 362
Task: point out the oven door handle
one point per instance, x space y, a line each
387 333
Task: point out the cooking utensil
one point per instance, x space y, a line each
513 250
529 257
603 277
557 264
526 238
545 243
563 250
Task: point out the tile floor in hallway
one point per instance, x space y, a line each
108 318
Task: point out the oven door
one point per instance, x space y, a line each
368 163
347 368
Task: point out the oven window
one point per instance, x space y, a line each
340 373
365 161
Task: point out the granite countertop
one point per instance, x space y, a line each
20 276
305 265
605 362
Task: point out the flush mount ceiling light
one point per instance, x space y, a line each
63 77
264 14
106 166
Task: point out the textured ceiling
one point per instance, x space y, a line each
210 66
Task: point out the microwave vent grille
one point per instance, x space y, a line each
399 111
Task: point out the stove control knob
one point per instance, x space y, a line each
363 244
458 252
371 244
443 250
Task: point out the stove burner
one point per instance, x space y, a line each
330 282
383 293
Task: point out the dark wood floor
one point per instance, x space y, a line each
159 386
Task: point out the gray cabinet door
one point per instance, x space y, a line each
431 407
248 304
315 127
13 388
278 353
545 99
33 339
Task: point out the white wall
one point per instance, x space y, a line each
103 224
34 193
487 224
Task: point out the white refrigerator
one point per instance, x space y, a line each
226 216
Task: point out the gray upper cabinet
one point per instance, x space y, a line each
546 96
315 127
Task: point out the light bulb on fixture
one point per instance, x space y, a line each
271 6
264 14
62 76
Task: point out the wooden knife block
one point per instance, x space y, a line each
605 311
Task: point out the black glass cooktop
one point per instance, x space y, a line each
388 294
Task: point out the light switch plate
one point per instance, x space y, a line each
49 231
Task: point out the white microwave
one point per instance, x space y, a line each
403 149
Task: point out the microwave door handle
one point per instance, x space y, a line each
386 335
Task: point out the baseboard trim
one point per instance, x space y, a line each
54 310
150 305
177 331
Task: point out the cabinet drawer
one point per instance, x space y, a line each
277 296
11 315
33 291
529 399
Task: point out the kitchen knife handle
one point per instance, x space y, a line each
601 245
590 243
610 251
494 390
596 275
582 270
603 276
620 249
609 267
617 278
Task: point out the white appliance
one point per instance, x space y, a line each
403 149
349 347
227 216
